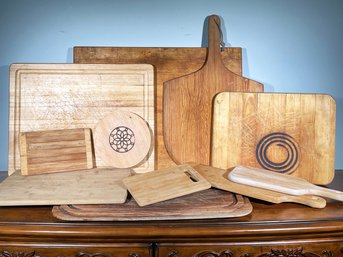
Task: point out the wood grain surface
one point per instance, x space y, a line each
123 140
91 186
68 96
55 151
187 103
287 133
280 182
169 63
166 184
206 204
219 179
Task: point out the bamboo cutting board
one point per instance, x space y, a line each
187 103
161 185
55 151
206 204
169 63
92 186
67 96
219 179
286 133
280 182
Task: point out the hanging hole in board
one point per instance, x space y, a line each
191 176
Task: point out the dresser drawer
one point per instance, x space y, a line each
273 250
127 250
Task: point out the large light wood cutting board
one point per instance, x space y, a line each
66 96
169 63
286 133
92 186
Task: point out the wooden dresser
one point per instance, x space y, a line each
271 230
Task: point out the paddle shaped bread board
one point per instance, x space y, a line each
219 179
51 151
280 182
286 133
92 186
68 96
187 103
122 139
161 185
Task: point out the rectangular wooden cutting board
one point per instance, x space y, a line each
287 133
51 151
68 96
92 186
169 63
206 204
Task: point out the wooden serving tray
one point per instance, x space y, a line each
67 96
211 203
169 63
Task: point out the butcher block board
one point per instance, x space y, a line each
169 63
161 185
287 133
92 186
210 203
67 96
51 151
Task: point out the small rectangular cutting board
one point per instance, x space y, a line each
51 151
67 96
161 185
206 204
219 179
92 186
287 133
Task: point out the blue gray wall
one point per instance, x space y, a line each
290 46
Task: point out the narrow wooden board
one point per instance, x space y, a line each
161 185
187 103
287 133
51 151
91 186
280 182
169 63
67 96
219 179
206 204
123 140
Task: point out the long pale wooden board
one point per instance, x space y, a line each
287 133
219 179
169 63
67 96
166 184
206 204
91 186
51 151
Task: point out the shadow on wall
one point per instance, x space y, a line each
339 129
4 75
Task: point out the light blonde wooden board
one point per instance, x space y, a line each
123 139
287 133
219 179
161 185
51 151
280 182
66 96
92 186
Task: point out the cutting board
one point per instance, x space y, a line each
169 63
123 139
219 179
161 185
187 103
286 133
280 182
68 96
92 186
51 151
206 204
